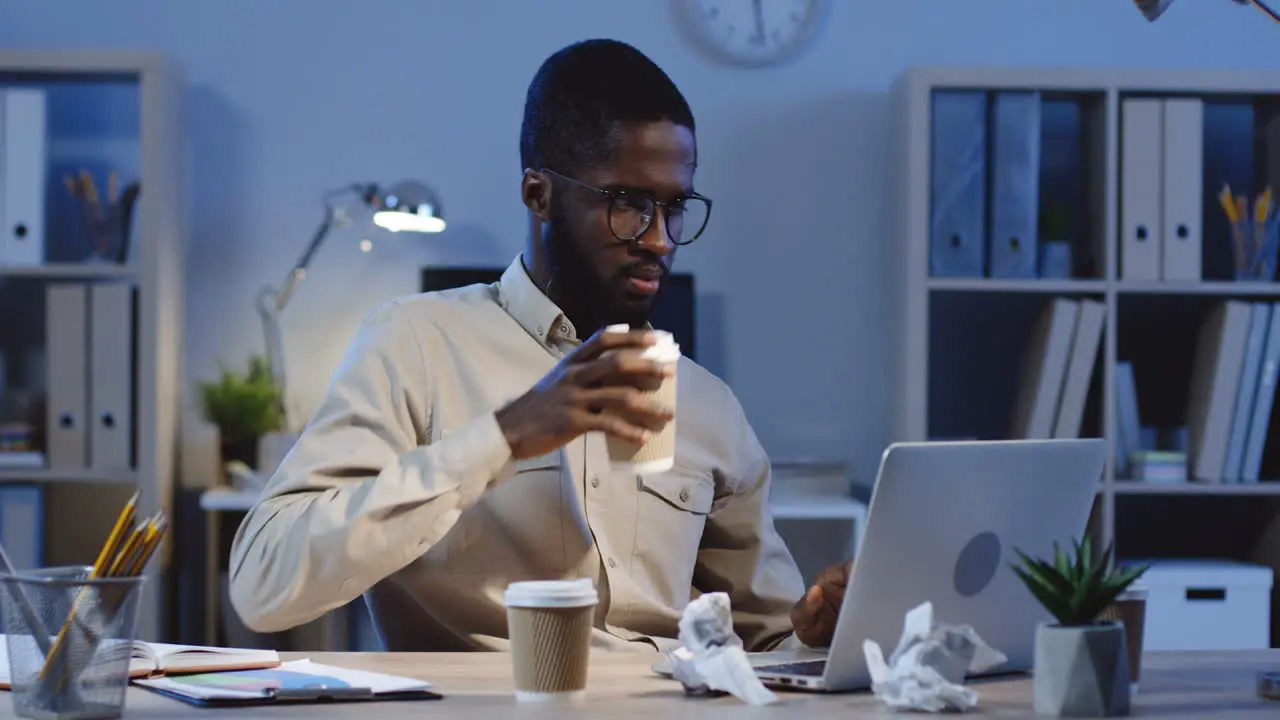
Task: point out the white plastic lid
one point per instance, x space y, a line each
551 593
666 349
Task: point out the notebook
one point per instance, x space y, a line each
150 659
297 681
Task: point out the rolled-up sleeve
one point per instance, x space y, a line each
362 493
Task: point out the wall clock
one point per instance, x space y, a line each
754 33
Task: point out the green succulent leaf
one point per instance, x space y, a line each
1075 586
1061 562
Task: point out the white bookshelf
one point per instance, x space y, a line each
921 298
79 503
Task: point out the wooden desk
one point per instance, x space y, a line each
478 685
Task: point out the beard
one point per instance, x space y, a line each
600 300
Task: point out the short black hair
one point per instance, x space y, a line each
582 93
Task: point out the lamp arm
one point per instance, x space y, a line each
271 301
1270 12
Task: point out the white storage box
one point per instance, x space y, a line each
1207 605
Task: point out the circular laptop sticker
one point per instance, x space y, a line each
977 564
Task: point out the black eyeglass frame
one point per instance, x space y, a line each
613 195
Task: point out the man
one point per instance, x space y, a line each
461 445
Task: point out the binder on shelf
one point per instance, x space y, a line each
111 425
1182 189
1128 419
1043 371
1215 380
1260 420
1015 183
22 524
23 159
958 190
1140 188
1079 373
66 306
1247 393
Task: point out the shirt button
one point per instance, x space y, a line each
539 329
595 481
684 495
613 563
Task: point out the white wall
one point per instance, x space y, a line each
290 97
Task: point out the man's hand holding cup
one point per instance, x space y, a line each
606 385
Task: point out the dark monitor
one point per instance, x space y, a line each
673 309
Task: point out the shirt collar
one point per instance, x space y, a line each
536 313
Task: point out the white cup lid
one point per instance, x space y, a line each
551 593
666 349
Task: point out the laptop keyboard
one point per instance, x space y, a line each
805 668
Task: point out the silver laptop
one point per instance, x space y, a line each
943 521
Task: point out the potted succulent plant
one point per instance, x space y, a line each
244 406
1081 661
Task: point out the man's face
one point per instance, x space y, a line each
614 279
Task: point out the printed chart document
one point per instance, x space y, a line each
295 681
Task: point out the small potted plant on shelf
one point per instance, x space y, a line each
1081 664
244 406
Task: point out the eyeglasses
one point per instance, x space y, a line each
631 213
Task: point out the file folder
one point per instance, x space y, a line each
66 307
22 524
111 324
1079 374
1215 381
23 159
1015 182
1183 189
958 178
1044 369
1128 421
1264 399
1141 183
1247 393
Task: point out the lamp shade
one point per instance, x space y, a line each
1152 9
408 205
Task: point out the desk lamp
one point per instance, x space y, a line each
406 206
1153 9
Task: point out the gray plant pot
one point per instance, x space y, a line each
1081 671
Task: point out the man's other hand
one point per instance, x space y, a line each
814 616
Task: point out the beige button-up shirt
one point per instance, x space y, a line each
403 488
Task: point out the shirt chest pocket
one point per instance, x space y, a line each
672 513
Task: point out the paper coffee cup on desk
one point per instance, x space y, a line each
549 624
658 454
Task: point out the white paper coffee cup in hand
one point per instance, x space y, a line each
659 453
549 625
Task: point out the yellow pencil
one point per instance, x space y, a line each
130 548
100 567
90 188
154 538
1228 204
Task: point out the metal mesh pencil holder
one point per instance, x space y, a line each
70 640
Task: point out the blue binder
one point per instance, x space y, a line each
1264 399
1248 392
1015 185
957 184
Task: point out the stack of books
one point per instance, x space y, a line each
1158 466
